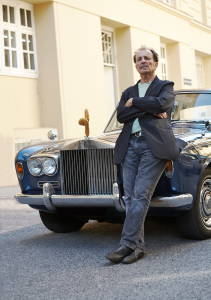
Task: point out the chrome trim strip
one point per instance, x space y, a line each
101 201
44 155
54 183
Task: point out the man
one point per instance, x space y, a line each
144 146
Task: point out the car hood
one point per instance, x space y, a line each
103 141
54 147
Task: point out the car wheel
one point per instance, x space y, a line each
196 224
61 223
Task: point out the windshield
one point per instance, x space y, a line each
187 107
192 107
113 124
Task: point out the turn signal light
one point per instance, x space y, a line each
169 169
20 171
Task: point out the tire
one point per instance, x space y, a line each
196 224
60 223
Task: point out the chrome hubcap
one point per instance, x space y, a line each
205 202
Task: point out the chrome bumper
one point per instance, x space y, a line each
51 201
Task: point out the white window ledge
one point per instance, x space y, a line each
17 74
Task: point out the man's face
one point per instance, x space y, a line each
145 62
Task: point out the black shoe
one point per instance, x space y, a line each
133 257
117 255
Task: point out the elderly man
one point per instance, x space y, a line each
144 146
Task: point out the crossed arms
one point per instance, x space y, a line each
149 104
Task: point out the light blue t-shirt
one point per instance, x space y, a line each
142 88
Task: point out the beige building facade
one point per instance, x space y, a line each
59 57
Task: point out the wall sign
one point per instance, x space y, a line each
187 81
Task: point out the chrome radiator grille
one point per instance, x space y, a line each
87 172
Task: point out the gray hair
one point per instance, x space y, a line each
143 47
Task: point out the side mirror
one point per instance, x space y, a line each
52 134
209 128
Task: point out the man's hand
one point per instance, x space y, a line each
160 115
129 102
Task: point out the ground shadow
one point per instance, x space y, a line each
161 234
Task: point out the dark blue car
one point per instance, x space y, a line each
72 181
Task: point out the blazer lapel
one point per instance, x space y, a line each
152 86
135 92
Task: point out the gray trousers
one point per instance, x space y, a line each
141 173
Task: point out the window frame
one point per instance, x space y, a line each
10 68
164 61
109 33
114 65
20 71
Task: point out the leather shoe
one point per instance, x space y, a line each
133 257
117 255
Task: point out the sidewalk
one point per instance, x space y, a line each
7 200
14 215
9 191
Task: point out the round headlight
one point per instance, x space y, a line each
49 166
35 167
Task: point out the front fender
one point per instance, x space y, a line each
193 167
206 165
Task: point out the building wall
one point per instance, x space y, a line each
207 73
195 9
208 9
174 66
124 54
81 62
19 109
50 69
140 37
179 29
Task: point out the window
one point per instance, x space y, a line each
191 107
18 35
25 16
28 51
169 2
113 124
110 76
199 72
107 45
8 14
10 50
163 61
22 143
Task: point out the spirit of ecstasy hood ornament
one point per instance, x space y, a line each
85 122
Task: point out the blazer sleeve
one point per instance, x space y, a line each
126 114
156 105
